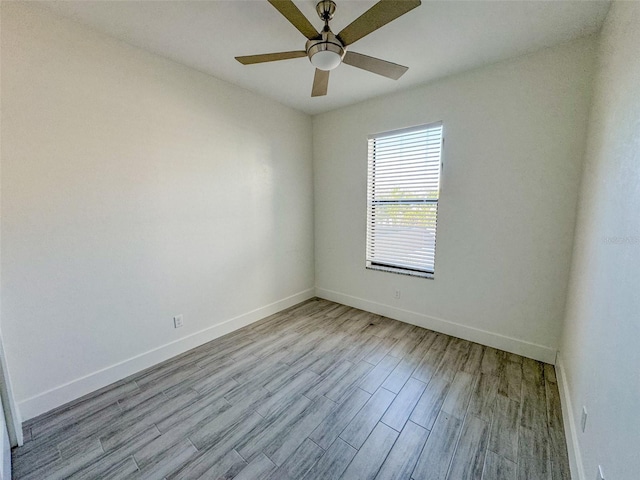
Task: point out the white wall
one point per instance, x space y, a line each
5 447
514 141
135 189
600 351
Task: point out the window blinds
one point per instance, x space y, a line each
402 199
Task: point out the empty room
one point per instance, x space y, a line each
320 240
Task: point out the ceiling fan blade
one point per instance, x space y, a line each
295 16
374 65
270 57
380 14
320 83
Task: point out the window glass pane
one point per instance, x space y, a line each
403 190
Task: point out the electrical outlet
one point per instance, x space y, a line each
178 320
583 421
600 473
396 294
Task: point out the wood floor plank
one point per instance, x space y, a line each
429 363
558 455
511 381
43 450
380 351
404 455
435 459
404 403
428 407
423 347
492 361
533 371
453 359
376 377
277 347
24 463
274 404
304 358
333 463
75 436
299 463
326 433
103 464
224 428
196 415
258 469
349 382
399 375
158 383
79 410
533 461
373 453
199 465
533 412
151 452
204 382
340 346
357 431
504 431
483 399
271 429
170 460
268 370
131 428
407 341
198 410
324 384
468 460
497 467
365 347
554 408
113 470
65 467
459 394
228 467
249 395
550 373
282 378
336 310
513 357
474 359
284 445
214 445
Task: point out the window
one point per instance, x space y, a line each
402 199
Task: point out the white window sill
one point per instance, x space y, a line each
401 271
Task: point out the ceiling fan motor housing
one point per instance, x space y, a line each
327 52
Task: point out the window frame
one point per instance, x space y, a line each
389 267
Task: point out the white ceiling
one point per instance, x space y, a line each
436 39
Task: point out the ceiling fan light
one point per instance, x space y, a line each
326 60
325 53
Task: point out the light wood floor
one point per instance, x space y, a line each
319 391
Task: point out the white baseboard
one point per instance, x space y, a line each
570 430
495 340
45 401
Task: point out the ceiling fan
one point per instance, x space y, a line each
327 50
